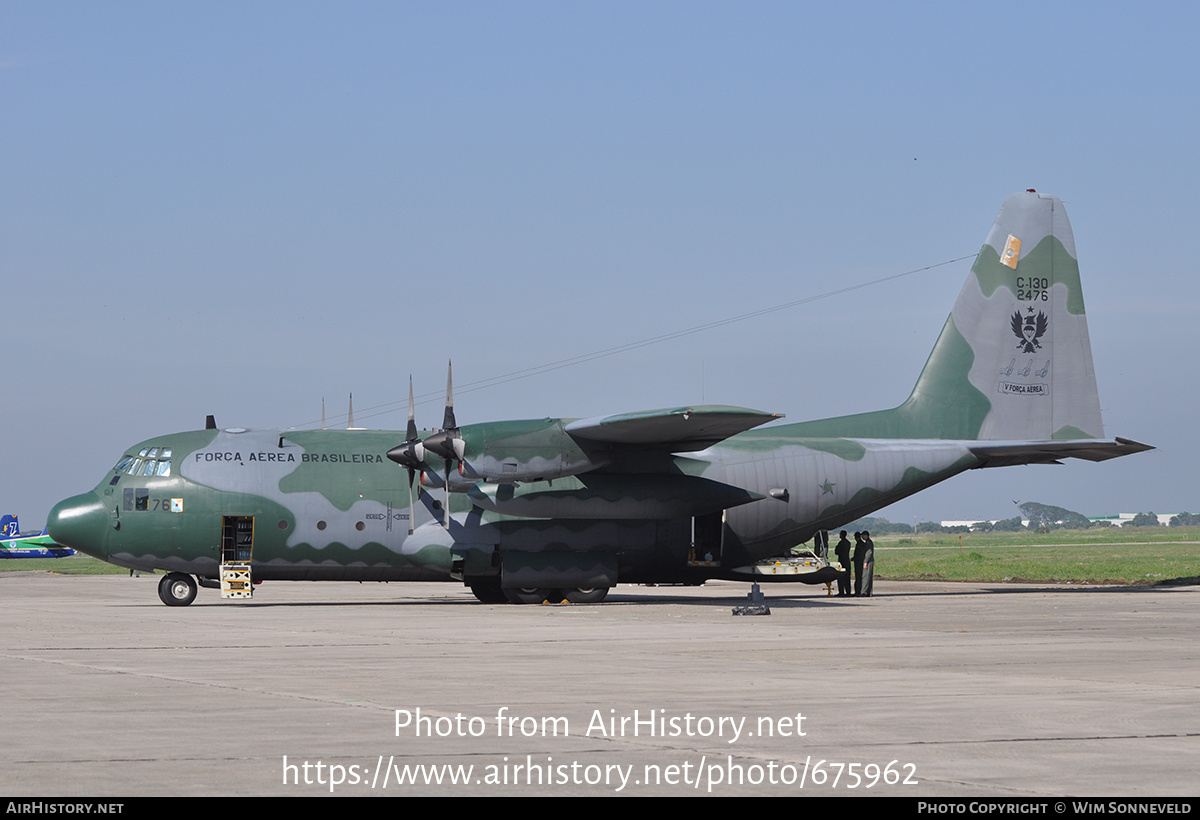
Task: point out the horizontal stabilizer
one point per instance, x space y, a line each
679 429
1004 454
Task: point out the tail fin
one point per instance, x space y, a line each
1014 361
8 526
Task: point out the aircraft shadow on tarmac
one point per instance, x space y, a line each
774 596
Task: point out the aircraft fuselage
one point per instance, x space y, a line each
329 505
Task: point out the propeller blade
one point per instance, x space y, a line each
411 439
448 422
446 503
447 442
411 433
412 506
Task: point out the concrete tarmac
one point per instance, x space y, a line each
952 690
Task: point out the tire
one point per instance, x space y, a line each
530 595
177 589
591 595
488 591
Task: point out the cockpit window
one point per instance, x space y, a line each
146 464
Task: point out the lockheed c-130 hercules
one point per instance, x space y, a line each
568 508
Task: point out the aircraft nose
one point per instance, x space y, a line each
81 522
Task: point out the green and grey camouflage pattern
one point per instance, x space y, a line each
521 510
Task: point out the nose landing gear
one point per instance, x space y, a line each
177 589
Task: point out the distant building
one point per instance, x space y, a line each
1121 519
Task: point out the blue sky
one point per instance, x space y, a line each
243 208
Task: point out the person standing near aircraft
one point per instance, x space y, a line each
859 554
867 571
842 551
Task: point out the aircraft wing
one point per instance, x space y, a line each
1005 453
678 428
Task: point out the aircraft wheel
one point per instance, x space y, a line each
177 589
488 591
590 595
531 595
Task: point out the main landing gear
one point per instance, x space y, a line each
591 595
489 591
533 595
177 589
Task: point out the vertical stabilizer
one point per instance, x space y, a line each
1014 361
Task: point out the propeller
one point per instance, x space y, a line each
446 443
410 454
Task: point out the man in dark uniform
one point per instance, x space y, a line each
860 553
868 565
842 551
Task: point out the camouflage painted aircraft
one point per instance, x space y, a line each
543 508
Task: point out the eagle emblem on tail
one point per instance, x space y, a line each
1028 330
